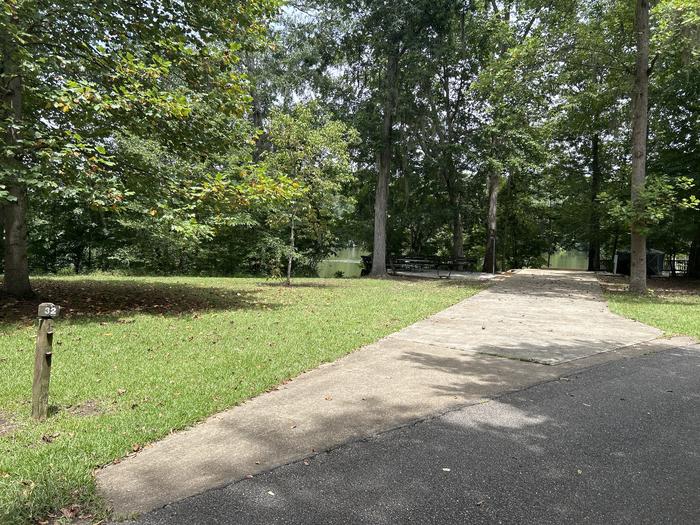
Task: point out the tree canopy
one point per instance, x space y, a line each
239 137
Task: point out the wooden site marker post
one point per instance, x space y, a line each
42 360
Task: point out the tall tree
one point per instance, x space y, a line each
674 124
14 207
493 188
362 49
312 151
384 158
444 112
509 98
640 105
594 220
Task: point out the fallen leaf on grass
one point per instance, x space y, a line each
71 512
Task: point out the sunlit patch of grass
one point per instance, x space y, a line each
135 359
672 306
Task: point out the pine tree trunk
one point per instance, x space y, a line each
381 199
14 213
494 183
594 223
640 98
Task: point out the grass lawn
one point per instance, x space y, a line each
672 305
135 358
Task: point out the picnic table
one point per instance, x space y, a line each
444 266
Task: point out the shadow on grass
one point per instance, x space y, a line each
659 285
91 300
340 283
6 425
449 283
297 284
675 293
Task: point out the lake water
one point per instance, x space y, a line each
347 261
569 260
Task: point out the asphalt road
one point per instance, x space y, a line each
618 443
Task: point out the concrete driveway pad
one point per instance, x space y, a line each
549 317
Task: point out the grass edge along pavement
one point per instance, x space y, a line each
136 359
672 306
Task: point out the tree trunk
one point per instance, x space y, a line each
494 183
381 199
594 221
672 263
457 231
78 261
290 258
14 213
457 228
640 98
694 258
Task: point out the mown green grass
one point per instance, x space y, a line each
674 313
137 358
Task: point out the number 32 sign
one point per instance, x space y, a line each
48 310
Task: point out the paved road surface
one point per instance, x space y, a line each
615 443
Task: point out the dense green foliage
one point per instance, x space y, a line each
147 136
530 98
123 370
129 133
